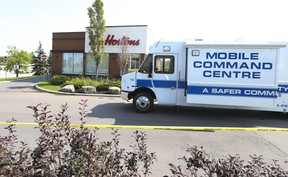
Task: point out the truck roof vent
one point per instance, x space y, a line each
166 49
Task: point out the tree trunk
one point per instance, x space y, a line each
96 74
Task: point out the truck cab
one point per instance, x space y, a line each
156 79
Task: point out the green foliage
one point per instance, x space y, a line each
101 84
96 32
132 70
48 86
115 83
41 67
18 57
78 82
104 84
59 79
3 60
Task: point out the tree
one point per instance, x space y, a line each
40 67
123 56
18 58
96 32
3 59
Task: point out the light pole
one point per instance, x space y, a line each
5 61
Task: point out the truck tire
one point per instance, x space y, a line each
143 102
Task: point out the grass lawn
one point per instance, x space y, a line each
46 85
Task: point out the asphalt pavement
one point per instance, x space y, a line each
168 145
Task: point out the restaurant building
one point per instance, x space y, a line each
71 50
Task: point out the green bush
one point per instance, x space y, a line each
103 87
101 84
59 79
115 83
132 70
104 84
78 82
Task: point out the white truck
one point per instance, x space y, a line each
237 75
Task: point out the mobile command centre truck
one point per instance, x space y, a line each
225 75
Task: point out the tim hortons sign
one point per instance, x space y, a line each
110 40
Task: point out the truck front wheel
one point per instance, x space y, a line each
143 102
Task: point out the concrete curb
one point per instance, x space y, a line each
76 94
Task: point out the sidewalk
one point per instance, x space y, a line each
6 74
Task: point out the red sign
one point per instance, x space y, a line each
43 57
111 41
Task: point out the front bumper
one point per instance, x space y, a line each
124 95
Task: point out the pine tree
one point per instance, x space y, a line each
40 67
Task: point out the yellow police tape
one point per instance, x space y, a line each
180 128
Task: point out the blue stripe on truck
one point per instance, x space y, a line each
156 83
160 83
232 91
226 91
283 88
143 83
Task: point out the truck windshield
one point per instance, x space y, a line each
145 67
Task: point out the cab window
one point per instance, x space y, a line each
145 67
164 64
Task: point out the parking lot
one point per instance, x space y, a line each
6 74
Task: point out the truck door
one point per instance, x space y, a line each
164 77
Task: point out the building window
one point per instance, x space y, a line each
72 63
134 61
91 65
164 64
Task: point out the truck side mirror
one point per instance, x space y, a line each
150 70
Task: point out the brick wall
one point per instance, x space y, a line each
65 42
114 69
75 42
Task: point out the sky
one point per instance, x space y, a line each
26 22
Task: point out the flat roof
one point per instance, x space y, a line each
235 44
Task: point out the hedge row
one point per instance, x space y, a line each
101 84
